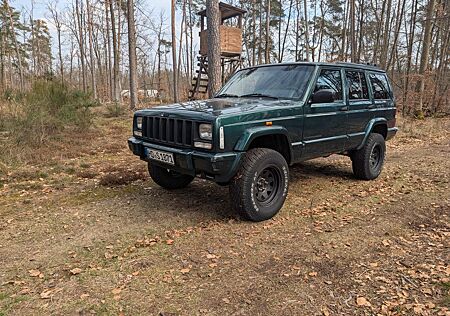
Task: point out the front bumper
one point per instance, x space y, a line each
219 167
391 132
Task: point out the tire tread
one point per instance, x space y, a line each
243 177
361 157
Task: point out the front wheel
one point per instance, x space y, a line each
259 188
167 178
368 161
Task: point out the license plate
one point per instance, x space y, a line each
161 156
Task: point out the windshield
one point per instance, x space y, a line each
278 82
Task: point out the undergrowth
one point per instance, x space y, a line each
33 119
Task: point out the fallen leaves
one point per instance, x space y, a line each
185 270
48 293
36 273
362 301
76 271
427 291
211 256
116 291
325 311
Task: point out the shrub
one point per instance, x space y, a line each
47 109
114 109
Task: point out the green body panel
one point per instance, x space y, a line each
311 130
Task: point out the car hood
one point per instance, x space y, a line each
224 106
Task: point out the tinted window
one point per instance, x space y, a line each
357 85
330 79
380 86
281 81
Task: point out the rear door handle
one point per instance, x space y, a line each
344 108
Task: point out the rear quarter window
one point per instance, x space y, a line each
380 86
357 85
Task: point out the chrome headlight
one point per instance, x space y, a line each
139 122
205 131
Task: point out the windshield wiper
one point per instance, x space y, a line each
226 95
259 95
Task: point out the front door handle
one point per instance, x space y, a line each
344 108
372 106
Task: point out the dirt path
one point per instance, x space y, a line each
73 241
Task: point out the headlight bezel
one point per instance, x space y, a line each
207 132
138 124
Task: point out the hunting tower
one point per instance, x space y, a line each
230 48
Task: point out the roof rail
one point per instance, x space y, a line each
357 64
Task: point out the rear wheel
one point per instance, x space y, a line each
259 188
368 161
167 178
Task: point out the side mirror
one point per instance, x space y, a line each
323 96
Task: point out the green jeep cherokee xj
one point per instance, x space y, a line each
265 119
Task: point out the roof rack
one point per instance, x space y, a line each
358 64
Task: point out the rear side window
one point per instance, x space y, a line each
380 86
331 80
357 85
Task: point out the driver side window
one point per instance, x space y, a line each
330 80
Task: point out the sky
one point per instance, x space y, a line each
40 5
41 12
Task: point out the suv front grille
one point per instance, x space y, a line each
168 130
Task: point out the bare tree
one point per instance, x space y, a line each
16 45
213 23
115 40
58 25
91 49
306 29
132 54
81 40
267 50
424 56
174 54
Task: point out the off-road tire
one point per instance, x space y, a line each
368 161
261 170
168 179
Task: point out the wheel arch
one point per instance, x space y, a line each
273 137
376 125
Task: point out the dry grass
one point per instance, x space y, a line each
143 250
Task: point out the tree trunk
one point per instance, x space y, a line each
253 22
174 54
81 42
267 52
16 47
91 50
260 33
180 45
286 31
116 74
385 44
213 23
306 29
361 33
409 54
108 52
132 55
344 33
352 31
425 56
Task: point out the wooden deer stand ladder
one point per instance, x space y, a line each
230 48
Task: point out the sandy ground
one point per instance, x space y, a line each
86 232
